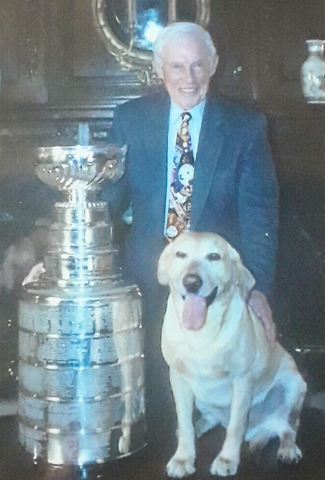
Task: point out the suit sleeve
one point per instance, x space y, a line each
258 209
117 195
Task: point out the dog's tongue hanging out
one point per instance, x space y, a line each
194 312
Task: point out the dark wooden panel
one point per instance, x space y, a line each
9 40
90 57
24 75
300 149
232 28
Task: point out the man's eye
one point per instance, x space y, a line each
198 65
213 257
180 255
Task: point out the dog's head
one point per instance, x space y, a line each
201 268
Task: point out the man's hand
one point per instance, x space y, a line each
34 274
260 306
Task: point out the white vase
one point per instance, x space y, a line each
313 72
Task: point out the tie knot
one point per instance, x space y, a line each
186 116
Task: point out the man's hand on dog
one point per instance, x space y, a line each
260 306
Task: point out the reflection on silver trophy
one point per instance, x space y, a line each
81 365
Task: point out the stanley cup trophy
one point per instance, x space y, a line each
81 363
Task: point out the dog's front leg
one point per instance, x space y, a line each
227 461
182 463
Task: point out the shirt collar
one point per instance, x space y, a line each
196 112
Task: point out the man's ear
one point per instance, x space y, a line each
162 274
243 277
214 64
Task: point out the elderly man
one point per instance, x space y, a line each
195 163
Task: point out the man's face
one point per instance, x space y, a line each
186 70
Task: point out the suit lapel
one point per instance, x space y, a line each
209 149
156 154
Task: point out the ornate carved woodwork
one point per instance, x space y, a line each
125 35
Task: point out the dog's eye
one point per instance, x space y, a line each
213 257
180 254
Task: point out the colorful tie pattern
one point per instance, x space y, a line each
179 211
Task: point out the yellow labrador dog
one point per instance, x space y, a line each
220 359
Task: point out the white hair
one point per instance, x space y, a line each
178 29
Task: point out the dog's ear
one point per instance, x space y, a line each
244 279
162 274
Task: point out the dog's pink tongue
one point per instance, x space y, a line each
194 312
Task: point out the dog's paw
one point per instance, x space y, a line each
224 467
180 467
289 454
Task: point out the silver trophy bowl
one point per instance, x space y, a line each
72 168
81 363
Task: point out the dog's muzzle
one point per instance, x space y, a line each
192 282
195 306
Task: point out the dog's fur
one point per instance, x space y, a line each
226 368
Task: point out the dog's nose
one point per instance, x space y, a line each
192 282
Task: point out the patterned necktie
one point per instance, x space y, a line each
181 187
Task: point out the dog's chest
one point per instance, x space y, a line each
211 387
209 381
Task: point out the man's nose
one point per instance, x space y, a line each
189 74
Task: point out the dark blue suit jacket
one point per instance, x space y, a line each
234 191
